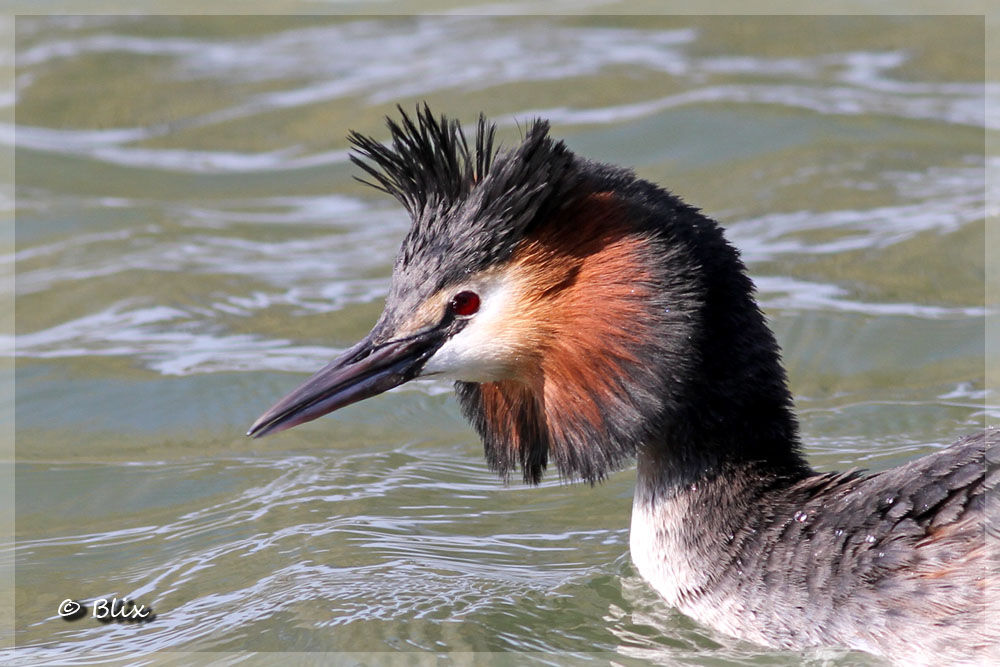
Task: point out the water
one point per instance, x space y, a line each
190 243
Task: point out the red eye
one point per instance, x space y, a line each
464 304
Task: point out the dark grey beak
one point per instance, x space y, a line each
361 372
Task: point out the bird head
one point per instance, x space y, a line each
564 297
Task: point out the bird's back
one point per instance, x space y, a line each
902 563
921 558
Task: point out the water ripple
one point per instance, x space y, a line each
411 570
417 57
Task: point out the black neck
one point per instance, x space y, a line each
734 411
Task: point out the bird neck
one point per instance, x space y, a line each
736 425
733 414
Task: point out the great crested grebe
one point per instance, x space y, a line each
588 316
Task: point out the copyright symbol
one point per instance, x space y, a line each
71 609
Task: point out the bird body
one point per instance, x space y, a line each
895 563
588 317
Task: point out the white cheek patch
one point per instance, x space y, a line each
480 352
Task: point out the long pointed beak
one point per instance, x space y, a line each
361 372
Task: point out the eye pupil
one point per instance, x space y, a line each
464 304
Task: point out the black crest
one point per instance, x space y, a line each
470 205
428 164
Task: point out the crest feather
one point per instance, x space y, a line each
470 204
427 162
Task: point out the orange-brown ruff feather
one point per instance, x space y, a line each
584 319
589 316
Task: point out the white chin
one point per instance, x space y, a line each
453 361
